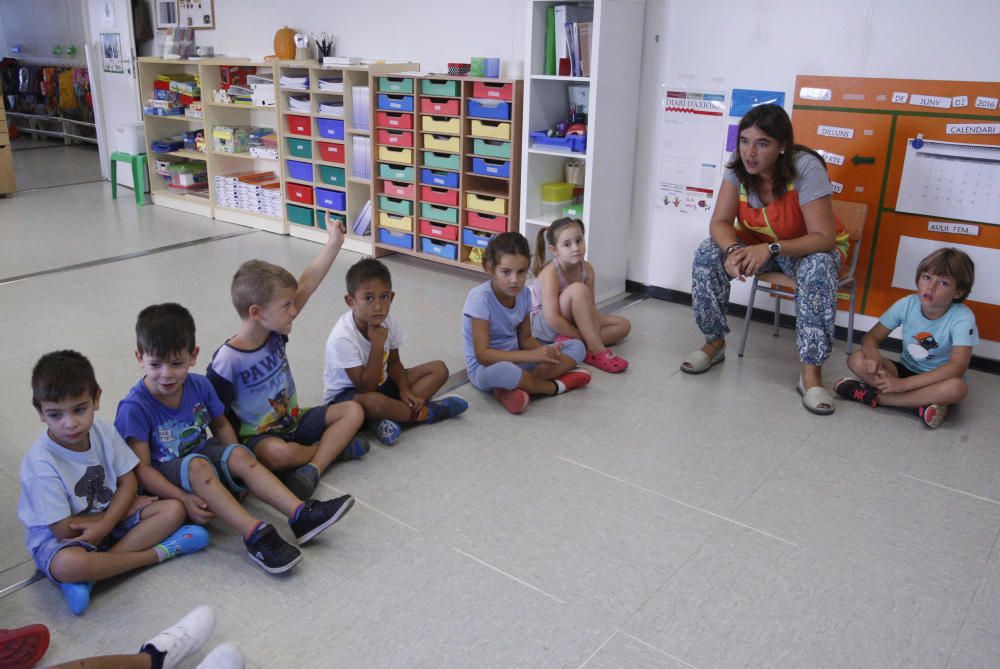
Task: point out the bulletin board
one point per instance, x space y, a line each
925 157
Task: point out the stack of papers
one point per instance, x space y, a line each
360 107
298 83
334 85
255 192
331 108
361 156
299 103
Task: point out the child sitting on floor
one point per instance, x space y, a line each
363 364
501 354
83 520
938 335
562 297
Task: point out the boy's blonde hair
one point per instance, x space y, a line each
255 282
951 262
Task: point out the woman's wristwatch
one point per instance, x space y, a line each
774 248
732 247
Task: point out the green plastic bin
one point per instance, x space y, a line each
395 84
439 87
436 212
300 148
491 148
395 205
442 161
396 172
332 176
300 215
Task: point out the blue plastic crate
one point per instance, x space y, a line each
330 128
403 240
400 103
574 143
491 168
442 249
331 199
497 110
476 238
299 170
435 178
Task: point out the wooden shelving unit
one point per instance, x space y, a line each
445 164
614 90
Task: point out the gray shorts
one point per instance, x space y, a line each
178 471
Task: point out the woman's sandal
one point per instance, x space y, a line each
817 399
698 362
606 361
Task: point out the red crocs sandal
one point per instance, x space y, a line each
606 361
514 401
24 646
574 378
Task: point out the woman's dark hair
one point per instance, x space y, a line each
549 236
773 121
507 243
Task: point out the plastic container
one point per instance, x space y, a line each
299 170
441 249
131 138
554 210
557 191
401 239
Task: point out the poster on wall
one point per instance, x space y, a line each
196 14
691 132
111 52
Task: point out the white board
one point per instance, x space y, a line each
951 180
912 250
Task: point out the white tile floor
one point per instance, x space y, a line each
41 163
650 520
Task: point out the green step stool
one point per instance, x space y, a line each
138 163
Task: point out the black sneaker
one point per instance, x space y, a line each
270 551
859 391
316 516
357 449
301 481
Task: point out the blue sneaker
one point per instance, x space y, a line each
388 431
77 596
355 450
444 408
302 481
187 539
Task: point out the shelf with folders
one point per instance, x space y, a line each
325 147
445 166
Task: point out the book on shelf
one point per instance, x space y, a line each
568 31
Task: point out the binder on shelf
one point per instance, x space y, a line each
363 223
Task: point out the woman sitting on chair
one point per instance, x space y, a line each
778 193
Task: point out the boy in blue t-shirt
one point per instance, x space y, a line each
938 333
83 521
166 417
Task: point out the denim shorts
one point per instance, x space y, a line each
216 453
389 389
307 431
46 551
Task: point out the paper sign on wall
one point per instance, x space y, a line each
692 130
745 99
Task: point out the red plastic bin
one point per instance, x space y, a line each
395 138
299 193
439 195
441 106
489 90
399 189
490 222
299 125
397 120
331 153
439 230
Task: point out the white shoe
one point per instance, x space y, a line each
188 635
223 656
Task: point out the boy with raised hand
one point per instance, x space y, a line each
165 418
78 502
253 379
363 364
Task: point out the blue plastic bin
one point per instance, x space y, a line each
574 143
403 240
435 178
331 199
400 103
442 249
330 128
493 109
476 238
299 170
491 168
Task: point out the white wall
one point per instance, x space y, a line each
431 32
39 25
716 44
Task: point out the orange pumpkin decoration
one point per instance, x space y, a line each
284 43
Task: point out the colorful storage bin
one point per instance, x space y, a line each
486 203
299 125
476 239
391 154
440 106
436 248
299 148
401 239
396 120
492 90
492 109
399 189
438 213
395 84
395 221
442 87
490 222
443 196
491 148
331 199
446 179
443 143
439 230
442 161
299 170
395 172
330 128
575 143
448 125
330 153
321 219
490 129
299 215
397 138
400 103
325 217
491 168
331 176
299 193
395 205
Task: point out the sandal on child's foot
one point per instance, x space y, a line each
575 378
514 401
606 361
933 414
24 646
77 596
